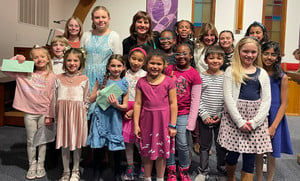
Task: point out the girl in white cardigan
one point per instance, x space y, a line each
244 126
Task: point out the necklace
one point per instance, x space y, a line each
70 77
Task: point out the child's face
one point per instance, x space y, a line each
184 29
73 27
226 40
72 63
115 68
214 61
183 56
101 19
40 58
58 49
167 41
142 26
248 54
297 56
136 61
209 38
269 57
155 66
257 32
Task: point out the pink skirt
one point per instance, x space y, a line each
230 137
128 127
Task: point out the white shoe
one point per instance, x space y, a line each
200 177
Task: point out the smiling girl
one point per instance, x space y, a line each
100 43
72 102
247 98
33 96
73 31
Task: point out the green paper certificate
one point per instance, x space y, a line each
15 66
104 93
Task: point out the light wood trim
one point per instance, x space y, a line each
282 24
240 15
213 11
293 108
83 8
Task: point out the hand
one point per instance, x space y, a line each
113 100
172 132
98 92
216 120
129 114
48 121
272 131
137 132
246 127
20 58
208 121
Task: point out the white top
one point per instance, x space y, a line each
114 41
57 65
231 95
199 54
132 78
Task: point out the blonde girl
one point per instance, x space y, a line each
33 96
247 98
73 31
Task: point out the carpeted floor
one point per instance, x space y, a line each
13 159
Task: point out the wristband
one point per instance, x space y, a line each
172 126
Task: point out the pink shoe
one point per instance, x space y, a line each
171 173
184 174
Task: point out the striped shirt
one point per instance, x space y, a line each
212 99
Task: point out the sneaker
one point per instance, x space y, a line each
31 173
196 148
75 175
184 174
65 176
200 177
129 175
171 169
142 172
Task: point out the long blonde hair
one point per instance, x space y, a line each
238 71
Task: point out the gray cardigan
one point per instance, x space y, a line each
231 94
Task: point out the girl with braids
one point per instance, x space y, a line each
106 125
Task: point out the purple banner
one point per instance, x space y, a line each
163 13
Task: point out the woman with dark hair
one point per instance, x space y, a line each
141 34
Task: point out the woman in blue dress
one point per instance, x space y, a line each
278 127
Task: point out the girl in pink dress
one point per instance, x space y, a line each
72 103
155 113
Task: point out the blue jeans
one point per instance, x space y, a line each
181 141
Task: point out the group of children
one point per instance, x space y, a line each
173 88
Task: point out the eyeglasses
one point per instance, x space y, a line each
168 38
182 54
266 54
